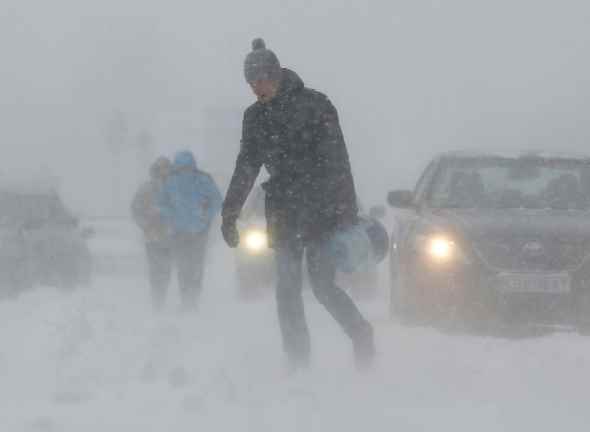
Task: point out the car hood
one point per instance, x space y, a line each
478 223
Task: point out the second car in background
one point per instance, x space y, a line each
42 242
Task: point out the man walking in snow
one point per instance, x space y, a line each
189 201
295 133
146 213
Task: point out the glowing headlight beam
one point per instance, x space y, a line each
440 248
256 241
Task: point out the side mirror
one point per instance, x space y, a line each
401 199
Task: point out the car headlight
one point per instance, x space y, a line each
439 248
256 240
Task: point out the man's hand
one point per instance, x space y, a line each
230 233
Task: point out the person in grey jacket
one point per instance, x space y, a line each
146 214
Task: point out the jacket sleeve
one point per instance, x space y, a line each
334 173
246 170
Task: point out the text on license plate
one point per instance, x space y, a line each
549 284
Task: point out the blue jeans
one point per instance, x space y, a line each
322 273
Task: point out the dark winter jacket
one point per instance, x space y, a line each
190 198
297 137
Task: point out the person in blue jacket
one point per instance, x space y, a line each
189 201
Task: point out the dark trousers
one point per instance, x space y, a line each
159 260
189 251
322 273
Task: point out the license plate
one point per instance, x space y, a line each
541 284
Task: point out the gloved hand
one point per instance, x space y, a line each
230 233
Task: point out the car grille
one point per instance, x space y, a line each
529 254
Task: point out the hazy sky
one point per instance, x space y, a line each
410 78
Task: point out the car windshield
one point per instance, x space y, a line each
503 183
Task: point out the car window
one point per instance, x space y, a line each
512 183
425 181
21 209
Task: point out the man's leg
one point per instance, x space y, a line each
294 330
190 257
159 260
337 302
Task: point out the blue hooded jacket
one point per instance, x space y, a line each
190 199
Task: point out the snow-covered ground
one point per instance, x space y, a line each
100 360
